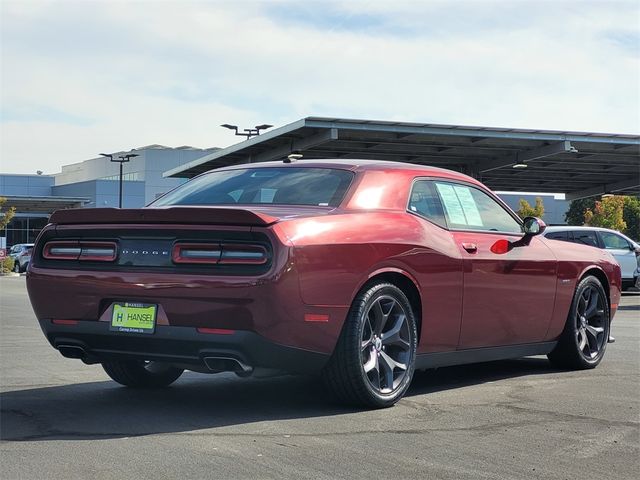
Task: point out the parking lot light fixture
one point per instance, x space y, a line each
520 163
120 160
247 132
230 127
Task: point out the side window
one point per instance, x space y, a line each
558 236
425 202
469 208
585 237
613 241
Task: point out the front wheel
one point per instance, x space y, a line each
134 373
584 339
373 362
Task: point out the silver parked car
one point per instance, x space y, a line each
21 254
625 251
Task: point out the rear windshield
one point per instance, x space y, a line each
269 185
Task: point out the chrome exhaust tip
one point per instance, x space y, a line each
72 351
227 364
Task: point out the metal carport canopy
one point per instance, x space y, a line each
36 204
579 164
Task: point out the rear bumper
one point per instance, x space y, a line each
94 342
270 306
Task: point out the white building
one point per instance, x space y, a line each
147 167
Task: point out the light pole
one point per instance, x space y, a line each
249 132
123 159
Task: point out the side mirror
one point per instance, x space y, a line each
534 226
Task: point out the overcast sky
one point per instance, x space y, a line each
84 77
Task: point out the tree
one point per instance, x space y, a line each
577 209
607 213
5 217
526 210
6 264
631 215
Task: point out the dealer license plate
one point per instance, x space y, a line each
134 317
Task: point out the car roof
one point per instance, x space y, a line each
360 165
563 228
567 228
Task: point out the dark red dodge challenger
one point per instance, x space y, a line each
361 271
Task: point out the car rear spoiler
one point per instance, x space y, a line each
177 215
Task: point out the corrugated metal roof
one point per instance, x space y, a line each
575 163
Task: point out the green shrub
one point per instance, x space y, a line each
6 265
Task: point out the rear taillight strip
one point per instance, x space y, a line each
227 254
243 254
80 250
61 250
73 252
201 253
101 252
196 253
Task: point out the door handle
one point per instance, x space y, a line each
470 247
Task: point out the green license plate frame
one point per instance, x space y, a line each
134 317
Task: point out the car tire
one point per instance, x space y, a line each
583 341
16 267
367 368
134 373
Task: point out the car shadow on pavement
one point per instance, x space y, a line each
103 410
448 378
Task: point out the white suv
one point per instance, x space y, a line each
624 250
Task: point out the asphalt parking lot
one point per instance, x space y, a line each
511 419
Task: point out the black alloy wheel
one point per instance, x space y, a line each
373 362
589 320
386 344
584 339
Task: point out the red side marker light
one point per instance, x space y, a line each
215 331
314 317
64 322
501 246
